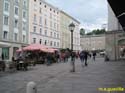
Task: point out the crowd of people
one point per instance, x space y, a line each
49 58
84 56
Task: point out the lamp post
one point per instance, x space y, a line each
71 28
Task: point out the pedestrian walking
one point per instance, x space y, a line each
82 57
73 56
58 58
48 59
94 55
2 56
86 54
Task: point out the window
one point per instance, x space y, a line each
45 6
34 40
24 3
50 23
5 35
57 27
15 36
6 6
40 30
45 42
6 20
16 23
35 7
24 26
40 3
51 34
24 14
24 38
40 41
35 18
40 10
45 21
57 35
34 0
51 43
58 44
46 32
54 25
16 10
40 20
50 15
16 1
5 52
34 29
54 43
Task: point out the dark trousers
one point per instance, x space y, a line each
94 58
86 62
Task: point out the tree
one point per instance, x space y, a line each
96 32
89 33
82 31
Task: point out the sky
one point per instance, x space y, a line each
90 13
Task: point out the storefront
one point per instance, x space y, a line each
8 50
4 50
121 44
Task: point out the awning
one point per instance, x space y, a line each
4 44
33 47
118 7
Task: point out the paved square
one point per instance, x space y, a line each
57 78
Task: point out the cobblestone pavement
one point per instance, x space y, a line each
57 78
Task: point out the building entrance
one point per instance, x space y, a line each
121 44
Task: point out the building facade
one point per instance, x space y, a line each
44 24
13 26
65 20
115 37
92 42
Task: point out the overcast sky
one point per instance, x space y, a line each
91 13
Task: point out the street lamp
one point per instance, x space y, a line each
71 28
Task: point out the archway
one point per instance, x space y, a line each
121 46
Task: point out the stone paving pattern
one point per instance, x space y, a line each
57 78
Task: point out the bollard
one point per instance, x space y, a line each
31 87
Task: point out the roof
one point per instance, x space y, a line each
70 16
118 8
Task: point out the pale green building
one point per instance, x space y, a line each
65 20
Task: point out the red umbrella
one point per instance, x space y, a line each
35 47
52 50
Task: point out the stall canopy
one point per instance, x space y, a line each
35 47
51 50
118 7
39 47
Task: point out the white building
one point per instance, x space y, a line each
115 37
113 23
44 23
92 42
13 26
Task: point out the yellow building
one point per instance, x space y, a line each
65 20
